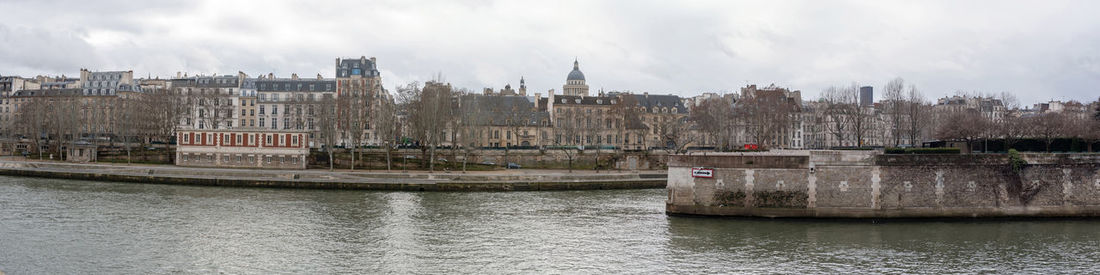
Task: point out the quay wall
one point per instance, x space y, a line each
868 184
309 180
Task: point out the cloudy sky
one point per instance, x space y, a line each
1039 50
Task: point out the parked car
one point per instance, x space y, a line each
513 165
487 163
410 157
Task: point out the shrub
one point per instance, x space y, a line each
1016 161
923 151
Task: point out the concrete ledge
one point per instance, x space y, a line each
291 180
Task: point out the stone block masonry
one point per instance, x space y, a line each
868 184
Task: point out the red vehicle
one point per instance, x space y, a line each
751 147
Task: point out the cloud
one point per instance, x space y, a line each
1038 50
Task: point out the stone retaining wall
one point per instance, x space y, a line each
299 179
839 184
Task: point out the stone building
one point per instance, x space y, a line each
505 120
661 115
208 102
574 83
360 80
106 83
291 103
258 148
990 108
8 86
246 103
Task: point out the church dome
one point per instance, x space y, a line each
576 74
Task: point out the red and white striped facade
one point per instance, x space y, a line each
245 148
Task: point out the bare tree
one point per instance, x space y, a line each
1012 129
714 118
1050 126
568 131
328 126
845 117
32 122
469 124
430 111
767 116
385 119
917 112
896 104
966 125
516 119
127 122
675 134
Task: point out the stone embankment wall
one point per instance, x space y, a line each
305 179
867 184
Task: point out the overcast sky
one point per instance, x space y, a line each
1039 50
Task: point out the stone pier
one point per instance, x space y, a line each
868 184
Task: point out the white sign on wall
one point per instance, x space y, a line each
699 172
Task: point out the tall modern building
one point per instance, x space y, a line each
866 96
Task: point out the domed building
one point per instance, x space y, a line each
574 83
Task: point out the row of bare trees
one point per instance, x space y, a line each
972 126
62 118
430 112
767 118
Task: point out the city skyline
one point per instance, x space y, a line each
1039 53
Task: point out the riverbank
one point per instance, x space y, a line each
510 180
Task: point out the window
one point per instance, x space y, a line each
274 123
261 112
238 142
261 122
274 109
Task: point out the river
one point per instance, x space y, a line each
50 226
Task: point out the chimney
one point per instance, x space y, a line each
294 76
319 77
178 74
538 96
337 62
270 75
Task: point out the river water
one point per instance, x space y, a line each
50 226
